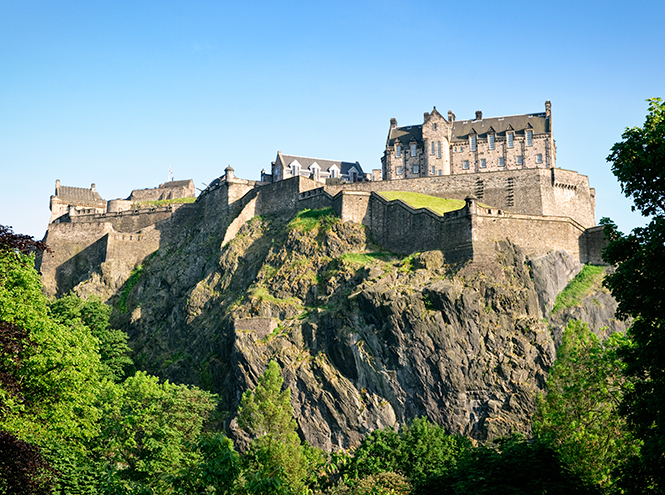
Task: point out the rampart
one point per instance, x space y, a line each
541 210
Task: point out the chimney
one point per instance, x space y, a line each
479 115
393 123
92 187
451 116
57 186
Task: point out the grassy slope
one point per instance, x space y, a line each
417 200
579 287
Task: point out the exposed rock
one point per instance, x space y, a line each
366 339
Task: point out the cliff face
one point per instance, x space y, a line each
366 339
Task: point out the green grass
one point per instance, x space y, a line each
306 220
129 285
417 200
163 202
579 287
262 294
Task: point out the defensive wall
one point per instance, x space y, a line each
541 210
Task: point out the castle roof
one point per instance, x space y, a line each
326 165
537 122
77 194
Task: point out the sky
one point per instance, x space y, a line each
117 92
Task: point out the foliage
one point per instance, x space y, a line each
417 200
579 287
23 469
113 349
637 284
509 467
25 244
307 220
127 288
218 471
579 416
276 459
419 450
147 427
387 483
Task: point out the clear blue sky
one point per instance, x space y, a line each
116 92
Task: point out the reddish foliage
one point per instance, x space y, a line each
22 467
19 242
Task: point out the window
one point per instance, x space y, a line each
473 142
435 127
439 171
529 138
490 140
433 147
333 172
519 160
502 162
539 158
398 151
461 148
413 150
438 149
416 169
483 163
466 165
295 169
398 170
433 170
510 137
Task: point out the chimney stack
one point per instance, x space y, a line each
479 115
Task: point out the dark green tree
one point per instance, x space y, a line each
579 417
512 466
638 161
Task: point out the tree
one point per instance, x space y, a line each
638 161
509 467
278 463
579 417
419 450
93 313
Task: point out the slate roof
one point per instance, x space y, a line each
537 122
325 165
69 193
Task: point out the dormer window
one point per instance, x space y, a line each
413 149
398 151
295 169
490 141
529 138
510 137
473 142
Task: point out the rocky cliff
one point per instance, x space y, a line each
366 339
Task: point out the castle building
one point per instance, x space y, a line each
318 169
75 200
441 146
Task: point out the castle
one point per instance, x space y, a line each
503 168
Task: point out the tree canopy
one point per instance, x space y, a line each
638 161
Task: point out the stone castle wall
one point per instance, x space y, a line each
541 210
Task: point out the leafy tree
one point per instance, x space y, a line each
511 466
419 450
638 161
579 416
219 469
277 462
113 349
147 428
